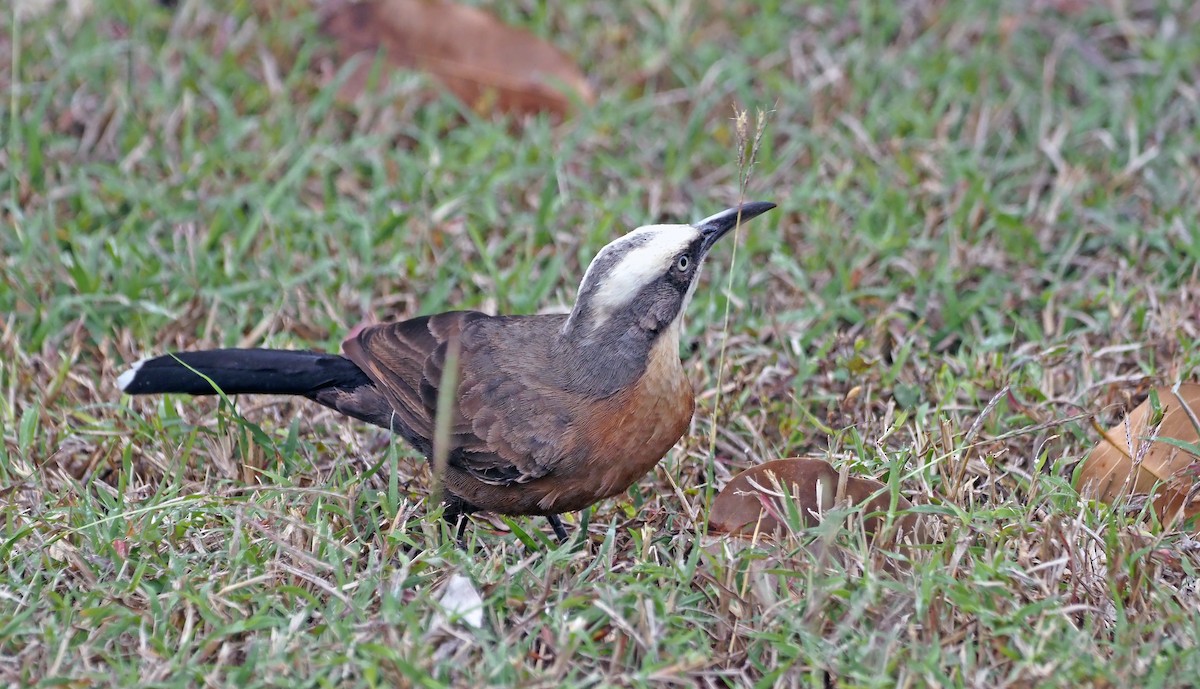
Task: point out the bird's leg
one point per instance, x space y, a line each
457 514
557 525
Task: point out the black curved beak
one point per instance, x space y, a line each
716 226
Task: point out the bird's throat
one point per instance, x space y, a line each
663 361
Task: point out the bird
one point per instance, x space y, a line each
550 413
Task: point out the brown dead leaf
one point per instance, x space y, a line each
752 503
1132 465
487 64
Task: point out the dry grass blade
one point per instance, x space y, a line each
446 408
747 157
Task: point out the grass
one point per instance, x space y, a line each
977 204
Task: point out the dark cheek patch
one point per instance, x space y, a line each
658 303
612 354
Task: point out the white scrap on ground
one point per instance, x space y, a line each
461 601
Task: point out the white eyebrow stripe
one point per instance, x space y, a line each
638 267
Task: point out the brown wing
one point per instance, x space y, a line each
514 402
395 355
508 425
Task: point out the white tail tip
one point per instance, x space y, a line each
126 378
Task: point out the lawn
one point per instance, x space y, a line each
987 246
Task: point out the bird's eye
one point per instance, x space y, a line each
682 263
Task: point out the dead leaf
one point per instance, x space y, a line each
487 64
61 550
753 502
1132 465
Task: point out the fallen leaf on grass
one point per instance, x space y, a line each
756 500
487 64
1144 462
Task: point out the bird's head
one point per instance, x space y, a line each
642 282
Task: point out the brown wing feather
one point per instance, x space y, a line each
509 425
395 356
514 405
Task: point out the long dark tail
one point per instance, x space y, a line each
243 371
327 379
